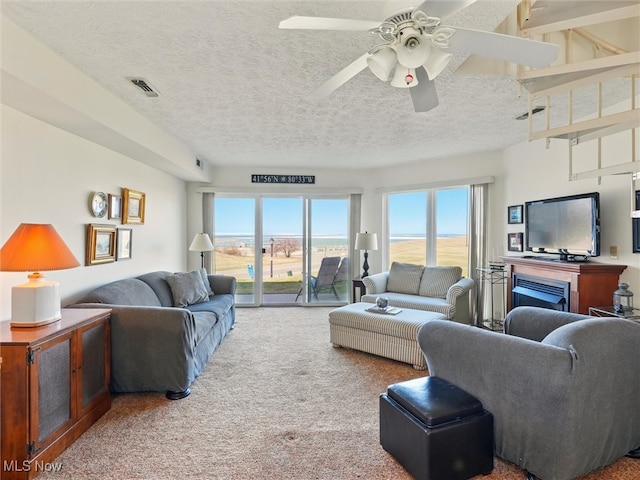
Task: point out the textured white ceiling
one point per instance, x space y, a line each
232 85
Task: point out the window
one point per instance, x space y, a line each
429 227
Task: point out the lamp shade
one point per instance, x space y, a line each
201 243
414 49
437 62
382 62
36 248
366 241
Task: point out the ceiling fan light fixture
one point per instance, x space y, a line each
404 78
414 49
437 62
382 62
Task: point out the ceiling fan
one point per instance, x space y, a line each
417 47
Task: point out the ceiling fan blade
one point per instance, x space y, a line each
442 8
340 78
424 94
321 23
503 47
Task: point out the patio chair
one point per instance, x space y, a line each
326 275
342 276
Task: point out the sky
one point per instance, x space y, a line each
283 216
408 212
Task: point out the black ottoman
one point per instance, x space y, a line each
436 430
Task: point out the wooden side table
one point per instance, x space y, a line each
357 283
55 385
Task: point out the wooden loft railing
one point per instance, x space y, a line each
611 63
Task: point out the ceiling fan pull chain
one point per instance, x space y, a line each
408 78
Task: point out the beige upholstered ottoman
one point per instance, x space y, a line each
390 336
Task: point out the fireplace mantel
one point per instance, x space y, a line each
591 284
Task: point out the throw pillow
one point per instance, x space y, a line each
436 281
187 288
205 280
404 278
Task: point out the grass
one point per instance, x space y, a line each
452 251
288 271
246 287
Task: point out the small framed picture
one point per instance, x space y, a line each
514 241
133 205
101 244
115 207
514 214
123 247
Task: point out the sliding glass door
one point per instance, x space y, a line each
328 276
234 239
282 258
283 250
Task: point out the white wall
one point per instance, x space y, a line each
533 172
64 137
47 176
370 183
527 171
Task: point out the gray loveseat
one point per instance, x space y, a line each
155 345
563 388
436 289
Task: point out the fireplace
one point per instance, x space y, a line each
539 292
590 283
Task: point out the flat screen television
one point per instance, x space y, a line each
568 226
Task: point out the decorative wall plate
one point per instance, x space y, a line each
99 204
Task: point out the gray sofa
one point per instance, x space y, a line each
156 346
563 388
436 289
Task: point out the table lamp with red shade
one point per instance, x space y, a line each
35 248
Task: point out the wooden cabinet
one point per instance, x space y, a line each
590 284
54 386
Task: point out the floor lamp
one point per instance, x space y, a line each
366 241
201 243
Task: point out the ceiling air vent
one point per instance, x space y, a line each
143 85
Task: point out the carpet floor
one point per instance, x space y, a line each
276 401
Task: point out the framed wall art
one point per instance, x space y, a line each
636 226
115 207
101 244
514 241
123 246
514 214
133 205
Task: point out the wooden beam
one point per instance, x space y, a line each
620 169
543 78
590 79
545 20
574 130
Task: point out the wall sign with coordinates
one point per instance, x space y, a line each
310 179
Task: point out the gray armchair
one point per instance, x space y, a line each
564 389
